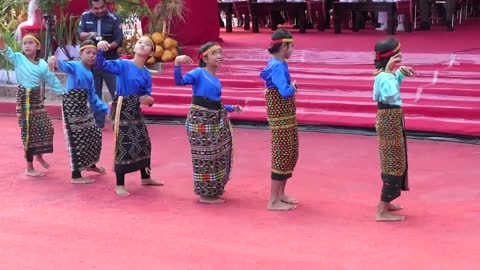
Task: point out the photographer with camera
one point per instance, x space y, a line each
104 26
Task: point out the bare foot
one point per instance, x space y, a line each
34 173
151 182
387 216
394 207
43 162
280 206
82 180
288 200
121 191
100 170
211 200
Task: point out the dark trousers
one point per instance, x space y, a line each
77 173
121 177
99 77
425 9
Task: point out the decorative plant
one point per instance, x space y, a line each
160 17
61 29
67 28
131 10
48 6
71 33
10 41
12 13
163 14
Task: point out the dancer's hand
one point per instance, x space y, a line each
183 60
103 46
237 108
108 119
147 100
52 63
294 84
408 71
396 59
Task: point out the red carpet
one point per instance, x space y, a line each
51 224
334 73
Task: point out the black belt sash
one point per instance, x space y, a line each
206 103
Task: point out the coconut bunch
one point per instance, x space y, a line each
166 48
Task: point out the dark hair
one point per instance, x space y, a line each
384 46
279 34
90 2
203 49
38 54
88 41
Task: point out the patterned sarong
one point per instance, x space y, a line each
35 124
282 119
132 147
209 133
83 136
393 152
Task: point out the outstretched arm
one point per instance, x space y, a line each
190 77
52 81
63 66
7 52
110 66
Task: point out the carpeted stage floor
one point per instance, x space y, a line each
49 223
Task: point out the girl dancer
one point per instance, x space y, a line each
134 87
390 126
83 136
208 127
282 119
35 125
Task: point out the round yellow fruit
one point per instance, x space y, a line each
167 56
169 43
158 51
158 38
151 61
174 51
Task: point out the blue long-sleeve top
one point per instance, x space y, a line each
276 75
30 75
81 78
131 79
386 88
203 84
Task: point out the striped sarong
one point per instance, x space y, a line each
83 136
132 144
282 119
393 152
35 124
210 137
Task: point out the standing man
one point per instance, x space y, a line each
426 10
104 26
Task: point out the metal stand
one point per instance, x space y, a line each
51 34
